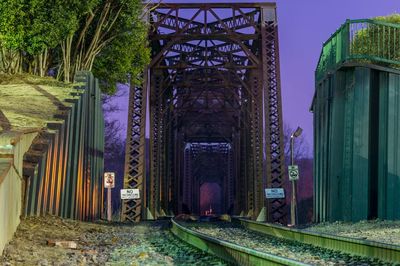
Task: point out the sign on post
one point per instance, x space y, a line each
109 180
274 193
293 172
109 183
130 194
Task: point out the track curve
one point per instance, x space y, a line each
228 251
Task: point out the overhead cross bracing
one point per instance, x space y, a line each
213 81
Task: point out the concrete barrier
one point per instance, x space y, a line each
13 146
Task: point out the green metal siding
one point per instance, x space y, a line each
389 146
356 123
357 146
358 137
336 183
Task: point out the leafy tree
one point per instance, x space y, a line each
12 32
108 37
73 19
127 54
110 40
42 34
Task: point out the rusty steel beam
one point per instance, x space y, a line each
215 109
135 168
212 5
273 111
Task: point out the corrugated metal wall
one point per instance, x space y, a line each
357 146
64 165
389 146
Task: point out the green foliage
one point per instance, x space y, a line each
106 36
51 21
125 54
12 24
40 32
394 18
380 43
67 16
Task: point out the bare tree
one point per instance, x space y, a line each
114 144
301 148
108 106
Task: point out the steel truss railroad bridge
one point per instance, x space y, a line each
213 100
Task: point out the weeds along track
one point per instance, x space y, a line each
235 243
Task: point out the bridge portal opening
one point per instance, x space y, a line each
212 92
208 177
211 199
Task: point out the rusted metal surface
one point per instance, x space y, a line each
214 96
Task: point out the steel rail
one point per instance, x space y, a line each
365 248
227 251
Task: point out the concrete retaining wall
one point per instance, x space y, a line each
12 149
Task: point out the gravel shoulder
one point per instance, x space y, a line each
375 230
147 243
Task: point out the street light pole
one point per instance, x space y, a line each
293 205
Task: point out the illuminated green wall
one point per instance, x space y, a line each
357 144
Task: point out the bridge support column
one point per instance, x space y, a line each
273 134
135 162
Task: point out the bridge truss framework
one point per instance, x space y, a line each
213 100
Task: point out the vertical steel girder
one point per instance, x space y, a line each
256 186
156 141
273 113
135 167
214 78
187 180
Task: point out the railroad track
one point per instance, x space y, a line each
246 242
228 251
366 248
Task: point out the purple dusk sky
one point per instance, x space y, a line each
303 27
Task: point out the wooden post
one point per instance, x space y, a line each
109 204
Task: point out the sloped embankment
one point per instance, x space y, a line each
51 149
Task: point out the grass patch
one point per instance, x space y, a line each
28 101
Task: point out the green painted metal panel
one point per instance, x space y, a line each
356 123
335 171
393 149
356 127
359 172
389 146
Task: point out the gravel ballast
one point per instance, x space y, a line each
146 243
387 232
305 253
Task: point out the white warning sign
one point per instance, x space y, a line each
130 194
